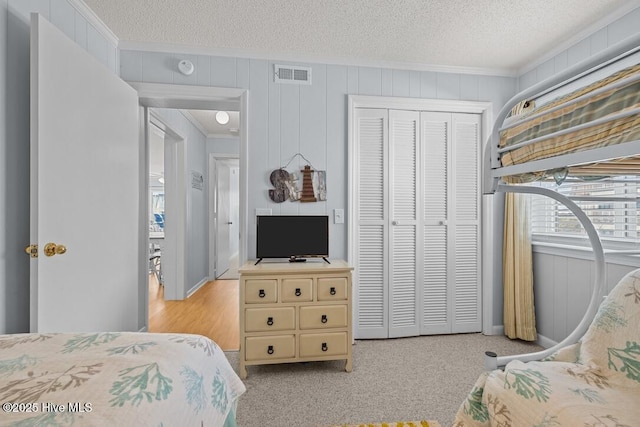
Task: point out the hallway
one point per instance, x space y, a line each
212 311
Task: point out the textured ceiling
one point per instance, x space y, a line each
486 34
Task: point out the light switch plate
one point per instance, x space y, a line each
338 216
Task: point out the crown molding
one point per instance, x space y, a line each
194 122
91 17
241 53
579 36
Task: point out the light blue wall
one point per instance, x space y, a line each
14 145
286 119
563 279
197 255
613 33
220 145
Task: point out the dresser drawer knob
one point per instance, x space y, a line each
332 291
261 293
270 321
270 349
298 292
324 318
324 346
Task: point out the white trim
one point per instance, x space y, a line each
96 22
213 211
495 330
545 342
194 122
485 109
302 58
585 253
581 35
204 97
224 135
175 237
420 104
200 284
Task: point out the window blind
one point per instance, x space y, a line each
611 204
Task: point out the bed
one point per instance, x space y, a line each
590 130
116 379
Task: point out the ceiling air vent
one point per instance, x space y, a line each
292 74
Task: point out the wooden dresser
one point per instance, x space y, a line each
295 312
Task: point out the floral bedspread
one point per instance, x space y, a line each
595 382
115 379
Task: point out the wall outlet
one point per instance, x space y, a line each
338 216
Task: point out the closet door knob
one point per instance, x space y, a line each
270 349
270 321
332 291
324 346
261 293
298 292
324 319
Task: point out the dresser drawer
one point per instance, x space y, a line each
332 289
330 344
260 291
323 316
297 290
269 319
273 347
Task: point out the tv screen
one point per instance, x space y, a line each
292 236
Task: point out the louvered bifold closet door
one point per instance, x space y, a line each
404 241
466 189
437 296
371 195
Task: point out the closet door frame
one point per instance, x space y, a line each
488 234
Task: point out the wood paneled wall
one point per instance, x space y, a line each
286 119
563 282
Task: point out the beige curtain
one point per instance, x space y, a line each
517 270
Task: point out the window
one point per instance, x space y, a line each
612 205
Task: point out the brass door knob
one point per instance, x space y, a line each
51 249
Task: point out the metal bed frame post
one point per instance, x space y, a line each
595 62
492 361
493 173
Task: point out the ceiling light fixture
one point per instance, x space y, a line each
222 117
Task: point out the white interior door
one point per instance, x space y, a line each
85 189
465 222
405 241
371 188
224 222
436 295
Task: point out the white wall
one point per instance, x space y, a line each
14 146
197 256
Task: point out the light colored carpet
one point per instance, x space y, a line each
398 424
396 379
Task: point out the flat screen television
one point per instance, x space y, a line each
296 237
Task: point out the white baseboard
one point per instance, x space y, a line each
545 342
494 330
200 284
541 341
143 329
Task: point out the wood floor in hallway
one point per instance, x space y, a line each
213 311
